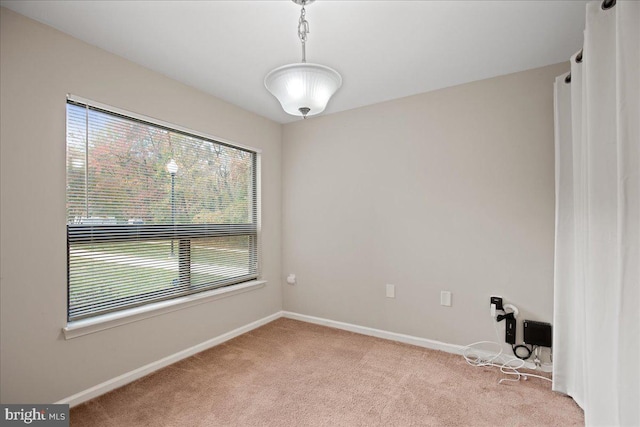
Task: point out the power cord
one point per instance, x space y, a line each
508 365
528 350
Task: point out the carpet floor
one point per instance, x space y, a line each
291 373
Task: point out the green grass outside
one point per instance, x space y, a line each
118 280
161 250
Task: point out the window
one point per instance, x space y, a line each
153 213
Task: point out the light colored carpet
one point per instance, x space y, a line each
290 373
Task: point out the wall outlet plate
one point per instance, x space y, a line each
497 301
391 291
445 298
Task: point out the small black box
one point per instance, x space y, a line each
537 333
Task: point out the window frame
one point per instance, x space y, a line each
182 233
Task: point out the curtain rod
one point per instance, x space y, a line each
606 5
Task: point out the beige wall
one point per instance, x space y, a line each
448 190
39 66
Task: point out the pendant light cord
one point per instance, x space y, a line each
303 30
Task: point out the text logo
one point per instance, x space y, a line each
36 415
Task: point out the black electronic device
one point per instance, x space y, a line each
510 329
497 301
537 333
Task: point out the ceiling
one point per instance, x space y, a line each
383 49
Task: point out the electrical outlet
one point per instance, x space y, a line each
445 298
497 301
391 291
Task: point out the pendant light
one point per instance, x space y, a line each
303 89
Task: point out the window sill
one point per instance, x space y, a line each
111 320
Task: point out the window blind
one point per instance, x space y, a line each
153 213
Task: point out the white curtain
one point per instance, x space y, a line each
596 336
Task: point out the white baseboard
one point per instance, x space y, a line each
128 377
131 376
393 336
379 333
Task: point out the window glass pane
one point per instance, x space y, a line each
104 276
153 213
220 259
128 180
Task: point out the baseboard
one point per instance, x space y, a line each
379 333
128 377
393 336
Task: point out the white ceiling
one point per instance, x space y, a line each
383 49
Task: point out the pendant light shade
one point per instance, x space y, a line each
303 89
